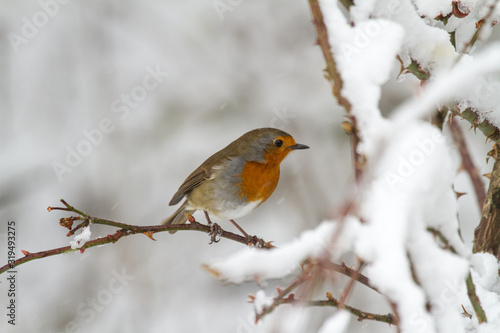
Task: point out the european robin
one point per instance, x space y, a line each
237 179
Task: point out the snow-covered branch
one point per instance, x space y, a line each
403 221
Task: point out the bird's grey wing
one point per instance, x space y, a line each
194 180
203 173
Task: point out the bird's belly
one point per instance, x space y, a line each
234 212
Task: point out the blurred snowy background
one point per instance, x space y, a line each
146 91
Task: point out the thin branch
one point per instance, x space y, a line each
125 230
278 300
471 288
286 297
362 315
331 66
467 162
331 301
343 269
333 76
476 304
444 242
350 286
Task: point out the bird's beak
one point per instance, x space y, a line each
298 146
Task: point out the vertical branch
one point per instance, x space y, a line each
331 66
476 304
487 233
334 77
467 162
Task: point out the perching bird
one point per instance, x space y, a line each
237 179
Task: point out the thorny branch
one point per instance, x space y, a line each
488 231
124 230
471 289
333 76
482 23
467 162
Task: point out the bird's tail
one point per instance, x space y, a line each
179 217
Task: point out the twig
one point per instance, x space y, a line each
343 269
468 164
278 300
471 288
331 301
125 230
476 304
445 243
349 287
362 315
286 297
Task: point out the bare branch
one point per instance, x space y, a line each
331 301
350 286
125 230
286 296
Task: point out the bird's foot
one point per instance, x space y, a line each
215 233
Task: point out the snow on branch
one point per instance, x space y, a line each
404 197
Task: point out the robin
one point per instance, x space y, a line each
235 180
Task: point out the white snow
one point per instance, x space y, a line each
429 46
364 55
408 179
261 301
470 82
432 8
485 268
251 264
79 240
409 183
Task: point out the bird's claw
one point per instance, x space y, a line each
215 230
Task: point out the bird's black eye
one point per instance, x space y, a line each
278 143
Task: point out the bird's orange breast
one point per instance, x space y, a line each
259 180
